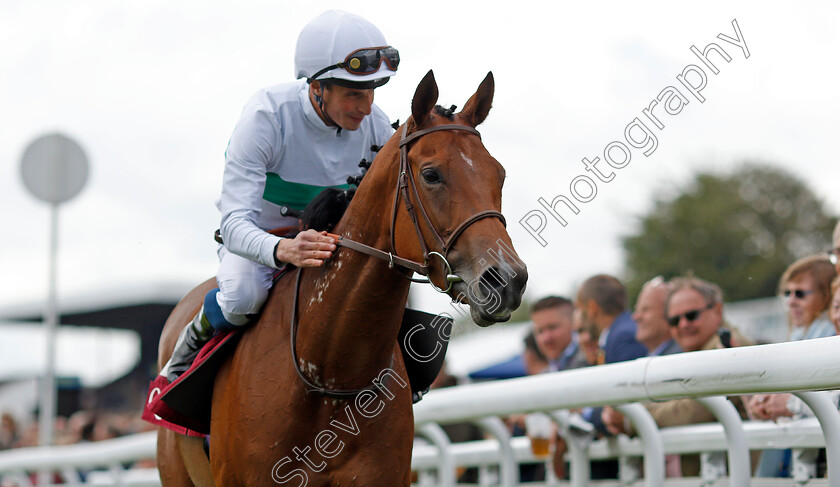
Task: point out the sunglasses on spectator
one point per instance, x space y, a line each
688 315
797 293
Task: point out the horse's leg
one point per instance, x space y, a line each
173 472
195 459
181 459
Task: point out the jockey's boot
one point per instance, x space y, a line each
192 338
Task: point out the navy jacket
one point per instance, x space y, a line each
621 341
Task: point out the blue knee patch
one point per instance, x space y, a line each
214 312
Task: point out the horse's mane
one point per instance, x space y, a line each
324 212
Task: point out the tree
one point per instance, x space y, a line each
739 230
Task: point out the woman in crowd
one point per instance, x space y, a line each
806 289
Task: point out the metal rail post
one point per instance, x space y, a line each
509 469
447 475
738 450
826 412
651 439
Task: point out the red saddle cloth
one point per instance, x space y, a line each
184 406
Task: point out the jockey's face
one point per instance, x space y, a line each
347 107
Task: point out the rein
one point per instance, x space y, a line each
331 393
405 181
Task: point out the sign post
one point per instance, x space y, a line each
54 170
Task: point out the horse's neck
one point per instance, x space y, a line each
350 310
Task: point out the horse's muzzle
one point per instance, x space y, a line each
496 292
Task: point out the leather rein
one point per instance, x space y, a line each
406 188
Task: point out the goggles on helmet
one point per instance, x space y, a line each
366 61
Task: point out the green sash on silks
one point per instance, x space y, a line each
294 195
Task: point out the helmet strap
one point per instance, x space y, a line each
324 115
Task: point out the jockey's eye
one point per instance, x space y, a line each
431 176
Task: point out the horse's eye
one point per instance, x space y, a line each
431 176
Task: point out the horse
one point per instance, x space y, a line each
315 392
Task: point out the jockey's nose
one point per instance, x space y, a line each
365 106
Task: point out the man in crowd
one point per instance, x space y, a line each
552 319
602 306
653 332
694 311
602 301
652 329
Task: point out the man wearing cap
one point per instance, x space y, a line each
292 141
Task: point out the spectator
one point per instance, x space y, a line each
602 301
602 305
532 358
8 431
79 425
806 287
834 308
29 435
652 328
557 340
535 363
552 319
694 310
834 253
653 332
587 338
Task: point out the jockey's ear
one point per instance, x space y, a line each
424 100
315 87
478 106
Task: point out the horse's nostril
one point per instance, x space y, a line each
493 280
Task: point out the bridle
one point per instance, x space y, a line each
407 191
406 187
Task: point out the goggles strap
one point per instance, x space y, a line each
319 73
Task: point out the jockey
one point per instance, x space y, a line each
291 141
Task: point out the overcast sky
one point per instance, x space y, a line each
152 90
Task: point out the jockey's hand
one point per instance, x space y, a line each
308 249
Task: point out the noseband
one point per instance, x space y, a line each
406 188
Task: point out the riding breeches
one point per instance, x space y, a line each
243 286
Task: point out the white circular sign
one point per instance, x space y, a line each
54 168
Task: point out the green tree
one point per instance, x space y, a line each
740 230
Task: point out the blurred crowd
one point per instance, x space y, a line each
684 314
80 427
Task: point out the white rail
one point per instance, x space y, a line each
789 367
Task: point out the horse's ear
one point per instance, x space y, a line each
424 99
478 106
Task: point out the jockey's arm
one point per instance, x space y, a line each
240 204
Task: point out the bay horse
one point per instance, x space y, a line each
341 413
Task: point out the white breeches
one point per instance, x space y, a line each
243 286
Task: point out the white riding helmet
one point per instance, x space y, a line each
325 45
